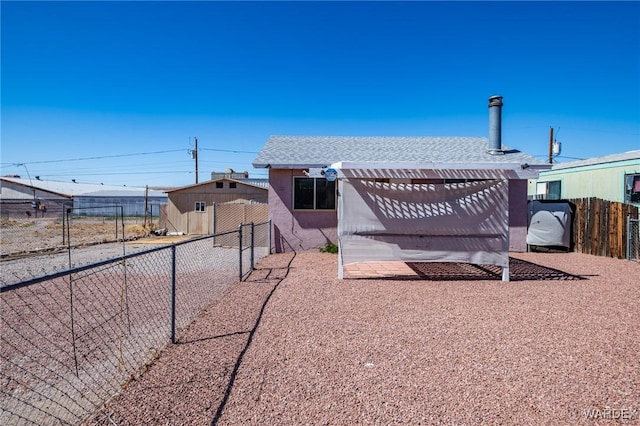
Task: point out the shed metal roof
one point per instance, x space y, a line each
612 158
259 183
320 151
72 189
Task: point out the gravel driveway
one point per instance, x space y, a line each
295 345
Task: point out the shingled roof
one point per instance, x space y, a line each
290 152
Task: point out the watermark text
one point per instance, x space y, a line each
611 413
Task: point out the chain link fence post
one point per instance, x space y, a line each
252 245
240 252
629 237
173 294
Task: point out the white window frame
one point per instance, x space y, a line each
629 186
200 206
543 190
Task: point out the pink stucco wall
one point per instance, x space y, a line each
310 230
518 215
299 230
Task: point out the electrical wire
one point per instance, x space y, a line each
228 150
99 158
96 171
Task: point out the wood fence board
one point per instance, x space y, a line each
600 227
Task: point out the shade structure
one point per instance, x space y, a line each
425 212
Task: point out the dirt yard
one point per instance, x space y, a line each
35 247
25 236
295 345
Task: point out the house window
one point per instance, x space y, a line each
314 194
548 190
632 188
553 190
219 185
200 205
232 184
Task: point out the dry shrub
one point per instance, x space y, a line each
137 230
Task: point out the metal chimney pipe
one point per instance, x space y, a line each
495 125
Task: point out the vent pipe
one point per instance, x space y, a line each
495 125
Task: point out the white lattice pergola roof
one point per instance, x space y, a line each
415 216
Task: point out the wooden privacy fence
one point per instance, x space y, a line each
600 226
215 219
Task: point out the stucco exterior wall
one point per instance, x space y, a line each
310 230
296 230
518 215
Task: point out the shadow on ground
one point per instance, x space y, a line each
520 270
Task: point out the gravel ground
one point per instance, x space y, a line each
294 345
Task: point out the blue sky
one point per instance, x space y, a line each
115 92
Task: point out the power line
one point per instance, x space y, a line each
125 155
140 169
119 173
229 150
101 157
558 156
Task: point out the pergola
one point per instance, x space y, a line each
425 212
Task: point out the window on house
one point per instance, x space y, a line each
632 188
219 185
314 194
232 184
553 190
200 206
548 190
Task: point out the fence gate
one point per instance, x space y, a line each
633 239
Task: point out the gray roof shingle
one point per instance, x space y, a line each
320 151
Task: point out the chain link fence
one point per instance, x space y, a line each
72 227
71 339
633 239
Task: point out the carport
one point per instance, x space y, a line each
425 212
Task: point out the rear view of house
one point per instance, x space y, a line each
422 199
303 204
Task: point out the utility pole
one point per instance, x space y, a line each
146 204
551 145
195 157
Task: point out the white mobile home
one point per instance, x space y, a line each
613 177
